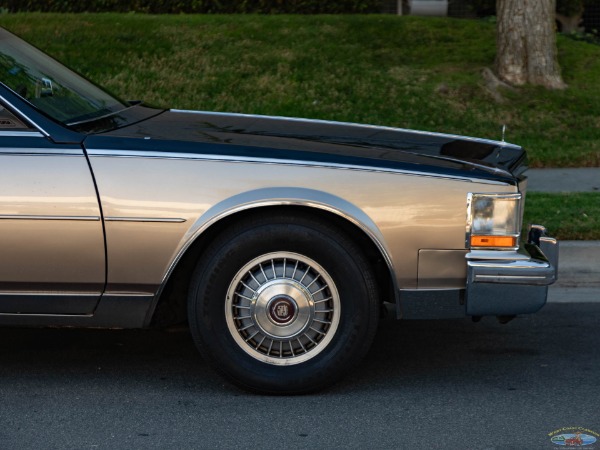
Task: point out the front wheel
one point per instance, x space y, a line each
283 305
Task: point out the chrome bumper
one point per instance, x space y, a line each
506 283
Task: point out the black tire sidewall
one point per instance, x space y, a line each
340 258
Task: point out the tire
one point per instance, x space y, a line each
283 305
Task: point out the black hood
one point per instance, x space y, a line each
317 141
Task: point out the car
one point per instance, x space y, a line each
279 241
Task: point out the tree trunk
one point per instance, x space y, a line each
526 43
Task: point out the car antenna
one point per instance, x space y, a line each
503 132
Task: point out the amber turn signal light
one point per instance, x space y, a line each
493 241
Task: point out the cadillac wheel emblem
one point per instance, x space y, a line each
282 310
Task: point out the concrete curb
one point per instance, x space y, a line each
578 273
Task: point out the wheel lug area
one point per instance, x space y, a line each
282 310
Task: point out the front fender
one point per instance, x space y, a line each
286 196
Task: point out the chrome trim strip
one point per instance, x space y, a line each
509 277
145 219
442 289
87 316
529 264
119 294
497 255
7 133
49 293
28 217
361 125
532 272
253 160
39 151
14 108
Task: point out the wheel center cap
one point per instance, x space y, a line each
282 309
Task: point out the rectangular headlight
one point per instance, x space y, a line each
493 221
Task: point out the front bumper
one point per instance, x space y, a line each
508 283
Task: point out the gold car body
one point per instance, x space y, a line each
98 216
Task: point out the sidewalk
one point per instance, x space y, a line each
579 261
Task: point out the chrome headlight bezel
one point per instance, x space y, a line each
493 221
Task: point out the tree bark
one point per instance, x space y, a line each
526 43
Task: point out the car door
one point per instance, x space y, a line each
52 255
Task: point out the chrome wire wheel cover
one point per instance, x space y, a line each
282 308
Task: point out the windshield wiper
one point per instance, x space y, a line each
104 116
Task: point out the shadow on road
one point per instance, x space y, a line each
423 385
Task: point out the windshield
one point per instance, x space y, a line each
50 86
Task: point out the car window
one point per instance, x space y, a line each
8 121
54 89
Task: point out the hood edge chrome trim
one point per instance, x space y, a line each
267 161
360 125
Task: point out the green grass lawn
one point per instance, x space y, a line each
566 216
409 72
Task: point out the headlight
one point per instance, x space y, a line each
493 220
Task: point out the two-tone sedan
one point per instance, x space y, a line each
277 240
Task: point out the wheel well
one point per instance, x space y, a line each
171 307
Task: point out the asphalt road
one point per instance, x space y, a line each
425 385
